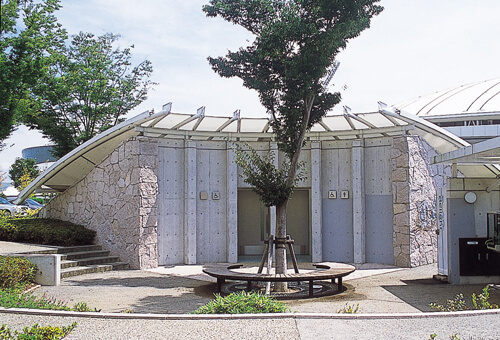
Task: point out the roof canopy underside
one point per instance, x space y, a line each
74 166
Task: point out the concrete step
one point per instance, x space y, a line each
88 261
75 249
81 270
65 250
95 268
84 254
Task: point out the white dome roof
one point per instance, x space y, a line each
476 98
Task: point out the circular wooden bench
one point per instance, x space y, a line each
325 271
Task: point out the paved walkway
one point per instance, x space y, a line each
175 291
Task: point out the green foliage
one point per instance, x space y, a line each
44 231
37 332
243 303
26 50
5 333
89 87
83 307
266 180
23 167
16 271
459 303
288 64
16 298
349 309
70 90
481 301
40 200
295 44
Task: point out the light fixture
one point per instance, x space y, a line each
470 197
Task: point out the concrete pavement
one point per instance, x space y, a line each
160 300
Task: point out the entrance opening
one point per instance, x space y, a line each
254 224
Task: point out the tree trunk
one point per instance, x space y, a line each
281 261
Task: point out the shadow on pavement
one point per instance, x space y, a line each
421 293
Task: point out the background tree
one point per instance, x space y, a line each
296 42
22 170
89 88
26 48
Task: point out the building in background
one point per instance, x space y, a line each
470 111
41 154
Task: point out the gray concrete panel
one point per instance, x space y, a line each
337 232
211 235
378 169
379 229
170 205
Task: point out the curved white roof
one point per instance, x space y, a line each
480 98
74 166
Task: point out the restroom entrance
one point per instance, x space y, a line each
254 223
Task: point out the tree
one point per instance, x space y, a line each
296 42
26 50
88 89
22 170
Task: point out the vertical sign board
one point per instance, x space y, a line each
442 233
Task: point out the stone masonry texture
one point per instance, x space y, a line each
117 199
415 183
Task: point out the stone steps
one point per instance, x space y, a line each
89 261
79 260
94 268
84 254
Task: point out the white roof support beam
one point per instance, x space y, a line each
200 113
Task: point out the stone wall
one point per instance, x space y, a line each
401 201
117 199
415 184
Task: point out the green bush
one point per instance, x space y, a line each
15 271
15 298
36 332
44 231
458 304
40 200
243 303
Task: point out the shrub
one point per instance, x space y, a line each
37 332
15 298
243 303
40 200
459 304
481 301
44 231
15 271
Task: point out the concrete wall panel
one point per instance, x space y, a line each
211 213
171 182
379 229
337 230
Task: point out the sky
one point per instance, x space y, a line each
412 48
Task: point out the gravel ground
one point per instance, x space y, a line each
301 327
180 290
